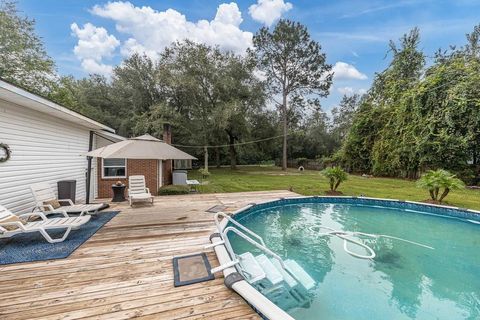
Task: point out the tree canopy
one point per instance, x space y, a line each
23 59
416 118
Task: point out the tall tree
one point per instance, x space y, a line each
342 116
241 95
23 59
135 83
294 65
191 75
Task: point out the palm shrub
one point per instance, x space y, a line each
204 172
336 175
437 180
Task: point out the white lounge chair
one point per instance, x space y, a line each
45 196
137 190
11 224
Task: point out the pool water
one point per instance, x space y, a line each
404 281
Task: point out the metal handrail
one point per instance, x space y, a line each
239 225
251 241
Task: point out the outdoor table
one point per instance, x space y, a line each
118 193
193 184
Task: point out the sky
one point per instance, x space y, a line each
92 36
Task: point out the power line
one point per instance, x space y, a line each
233 144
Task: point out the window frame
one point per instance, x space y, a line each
188 163
114 177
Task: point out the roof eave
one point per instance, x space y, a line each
21 97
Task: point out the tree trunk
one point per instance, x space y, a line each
217 157
332 182
444 194
336 185
205 160
432 195
233 152
285 131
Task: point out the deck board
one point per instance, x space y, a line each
125 270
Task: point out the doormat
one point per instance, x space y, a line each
191 269
217 208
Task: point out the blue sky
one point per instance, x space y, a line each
353 34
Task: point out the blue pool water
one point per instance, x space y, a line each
403 281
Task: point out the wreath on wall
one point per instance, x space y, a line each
6 151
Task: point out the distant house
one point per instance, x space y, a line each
48 143
157 172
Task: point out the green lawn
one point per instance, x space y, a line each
257 178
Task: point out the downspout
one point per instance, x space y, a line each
89 167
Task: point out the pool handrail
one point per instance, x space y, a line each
236 223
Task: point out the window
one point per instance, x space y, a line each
114 168
182 164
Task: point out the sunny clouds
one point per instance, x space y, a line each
146 30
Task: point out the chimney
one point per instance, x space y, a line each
167 164
167 133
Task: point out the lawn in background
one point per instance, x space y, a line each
308 182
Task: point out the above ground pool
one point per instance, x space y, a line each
427 268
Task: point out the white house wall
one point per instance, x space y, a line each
44 149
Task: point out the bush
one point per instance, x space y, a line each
302 161
336 175
173 190
436 180
204 172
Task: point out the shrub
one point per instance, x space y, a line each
173 190
336 175
302 161
437 180
204 172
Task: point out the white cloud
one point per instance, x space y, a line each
343 70
94 44
350 91
268 11
92 66
150 31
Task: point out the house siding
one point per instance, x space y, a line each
147 168
44 149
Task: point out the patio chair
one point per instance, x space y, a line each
137 190
11 224
47 202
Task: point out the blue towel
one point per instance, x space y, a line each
29 247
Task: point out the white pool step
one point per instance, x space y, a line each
251 267
259 268
272 273
286 276
300 274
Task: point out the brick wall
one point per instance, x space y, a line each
147 168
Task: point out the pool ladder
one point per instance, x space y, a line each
283 282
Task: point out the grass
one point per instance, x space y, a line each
258 178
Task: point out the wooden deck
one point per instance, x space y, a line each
125 270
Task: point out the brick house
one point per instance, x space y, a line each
157 172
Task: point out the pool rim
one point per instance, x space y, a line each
266 308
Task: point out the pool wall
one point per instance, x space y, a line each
266 308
